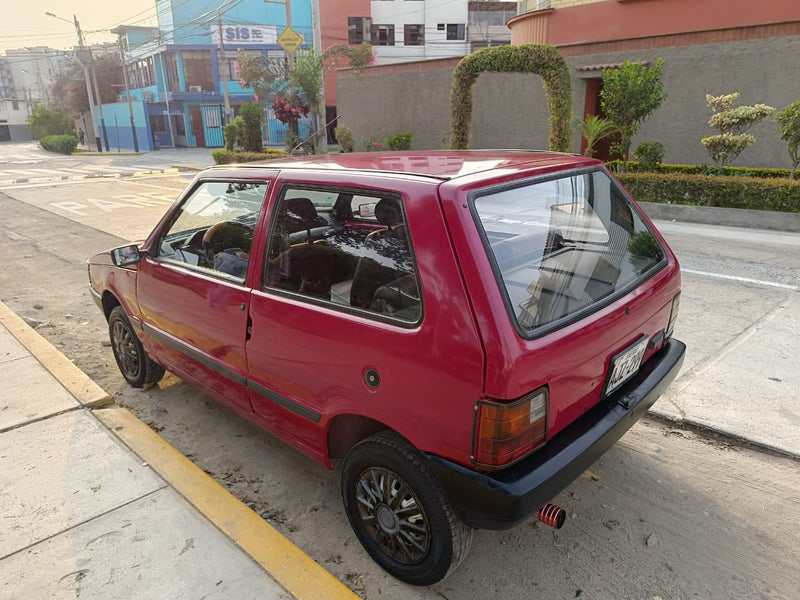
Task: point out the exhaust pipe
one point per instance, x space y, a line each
552 515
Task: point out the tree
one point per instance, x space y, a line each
307 76
732 124
69 90
630 94
252 115
44 122
594 129
788 121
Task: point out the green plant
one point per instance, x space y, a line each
546 61
227 157
44 122
732 124
251 115
788 121
635 167
345 138
630 94
594 129
722 191
233 132
308 75
649 154
400 141
372 142
64 144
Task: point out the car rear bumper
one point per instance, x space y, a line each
502 499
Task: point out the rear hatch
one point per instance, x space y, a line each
580 290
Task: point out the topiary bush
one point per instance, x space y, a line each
252 115
229 157
635 167
232 132
543 60
64 144
649 155
721 191
345 138
400 141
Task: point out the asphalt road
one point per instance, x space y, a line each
665 514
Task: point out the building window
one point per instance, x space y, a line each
158 124
382 35
358 29
491 14
14 105
142 73
197 70
171 63
456 31
414 35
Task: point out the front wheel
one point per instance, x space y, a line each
399 511
136 367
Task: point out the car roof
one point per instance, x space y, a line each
439 164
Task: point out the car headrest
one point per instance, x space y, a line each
389 211
299 213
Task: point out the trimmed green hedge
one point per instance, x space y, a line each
722 191
635 167
229 157
64 144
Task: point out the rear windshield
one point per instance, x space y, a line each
561 247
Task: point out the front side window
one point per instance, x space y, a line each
563 246
213 230
347 249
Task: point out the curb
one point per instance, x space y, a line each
727 217
292 568
76 382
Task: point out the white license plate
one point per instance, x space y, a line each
625 365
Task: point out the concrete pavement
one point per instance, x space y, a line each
95 504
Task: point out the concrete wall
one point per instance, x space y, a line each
510 110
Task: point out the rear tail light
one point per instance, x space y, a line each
504 433
673 316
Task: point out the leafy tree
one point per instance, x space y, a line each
307 76
732 124
44 122
788 121
69 90
630 94
649 155
252 115
594 129
358 58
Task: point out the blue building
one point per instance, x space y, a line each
177 72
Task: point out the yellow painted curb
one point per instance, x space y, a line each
75 381
297 572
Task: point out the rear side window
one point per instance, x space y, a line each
354 256
564 246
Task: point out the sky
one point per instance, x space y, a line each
24 24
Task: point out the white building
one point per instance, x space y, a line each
411 30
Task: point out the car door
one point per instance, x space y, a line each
193 289
337 322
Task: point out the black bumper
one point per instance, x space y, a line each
502 499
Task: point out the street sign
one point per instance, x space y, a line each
290 40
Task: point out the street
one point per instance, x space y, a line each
668 513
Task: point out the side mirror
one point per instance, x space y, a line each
367 210
127 255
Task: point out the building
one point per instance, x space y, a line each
182 75
714 47
13 121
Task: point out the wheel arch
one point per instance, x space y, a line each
346 430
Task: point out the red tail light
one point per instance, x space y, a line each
504 433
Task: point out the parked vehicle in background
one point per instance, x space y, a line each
468 331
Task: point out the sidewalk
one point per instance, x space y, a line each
93 503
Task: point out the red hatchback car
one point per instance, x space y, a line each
469 330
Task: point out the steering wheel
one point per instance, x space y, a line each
226 234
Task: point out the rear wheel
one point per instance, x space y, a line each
133 362
399 511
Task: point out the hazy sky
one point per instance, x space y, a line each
24 24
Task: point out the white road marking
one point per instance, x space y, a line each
742 279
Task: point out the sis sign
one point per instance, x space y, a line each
246 34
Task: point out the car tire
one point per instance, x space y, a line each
399 511
136 367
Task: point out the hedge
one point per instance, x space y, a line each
229 157
636 167
65 144
721 191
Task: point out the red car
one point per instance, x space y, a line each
469 331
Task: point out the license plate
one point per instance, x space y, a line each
625 365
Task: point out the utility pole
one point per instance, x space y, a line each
99 104
84 57
321 129
224 77
127 89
